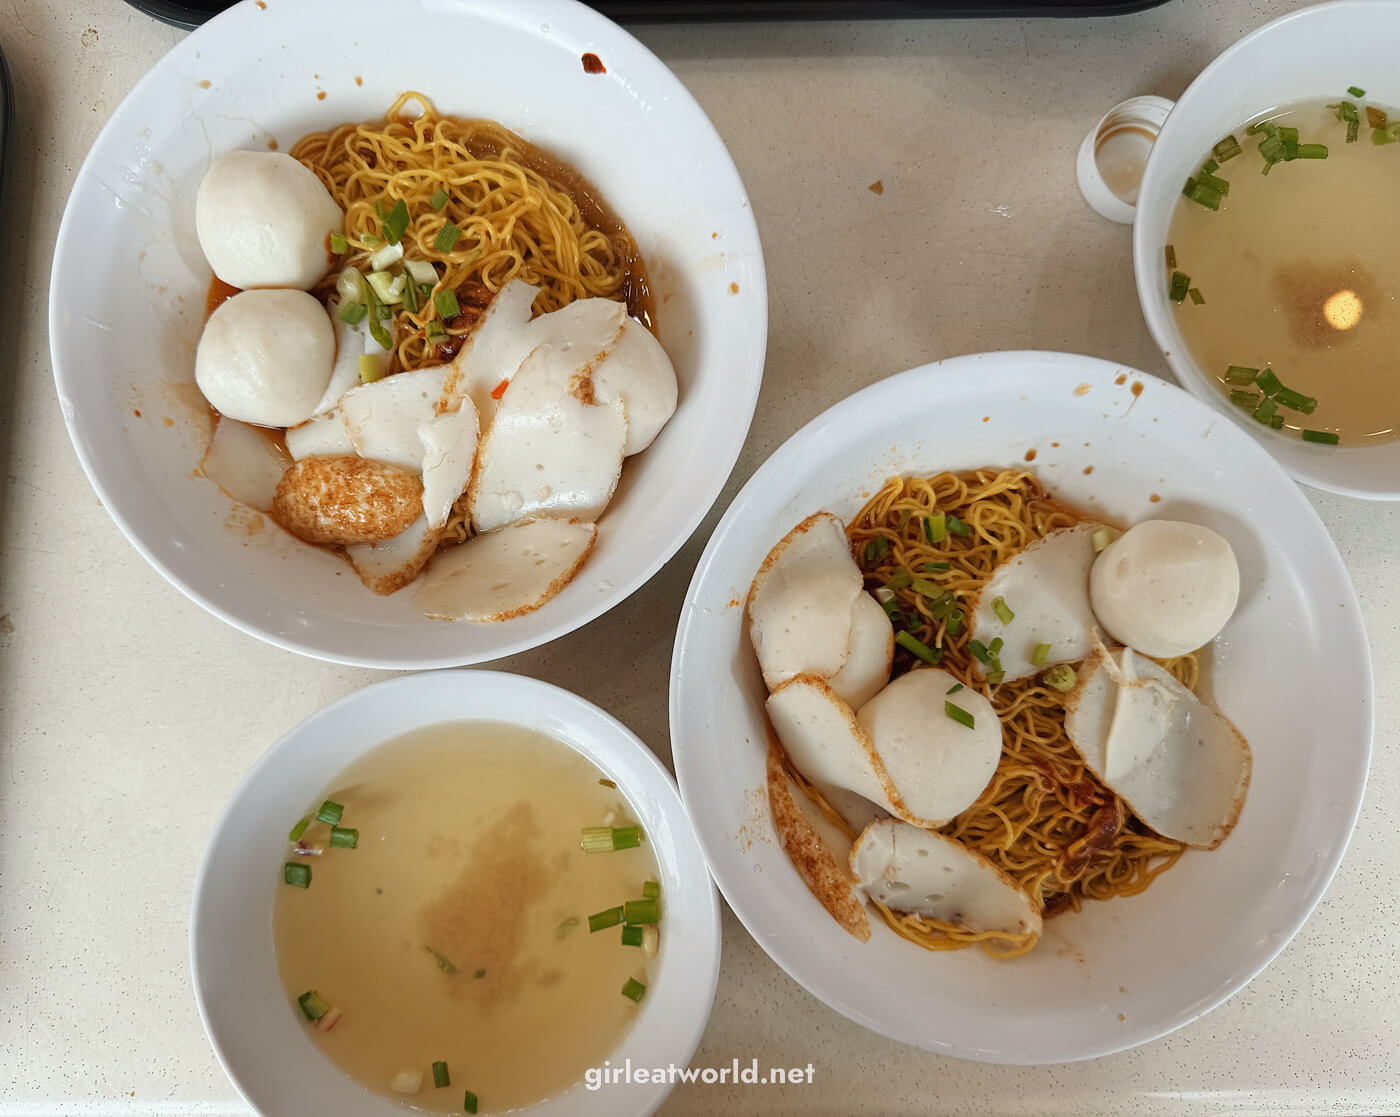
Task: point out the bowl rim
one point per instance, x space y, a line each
625 742
1146 259
741 407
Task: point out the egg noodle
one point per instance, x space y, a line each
520 213
1044 819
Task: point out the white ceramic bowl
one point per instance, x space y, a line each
264 1047
1315 52
1117 973
129 286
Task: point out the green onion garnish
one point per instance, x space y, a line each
447 238
445 964
957 527
352 313
1355 92
1327 438
370 368
605 839
1205 195
1264 413
1211 167
330 812
1312 151
953 622
995 646
339 245
994 678
602 920
1380 137
1290 150
1271 149
1102 538
1219 185
298 830
900 579
911 643
1189 186
633 990
412 297
1180 284
1276 423
891 608
927 588
1347 113
940 606
1287 135
1002 610
641 911
937 567
1040 655
1196 296
439 199
446 303
381 285
936 527
1238 374
343 837
652 890
1295 401
632 935
626 837
435 334
979 649
469 1103
1061 677
1171 258
440 1076
1248 400
565 927
396 223
377 314
877 549
1268 382
1227 149
313 1005
297 874
959 715
954 688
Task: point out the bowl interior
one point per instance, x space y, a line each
1115 974
1315 52
262 1044
130 285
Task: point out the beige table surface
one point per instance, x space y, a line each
127 714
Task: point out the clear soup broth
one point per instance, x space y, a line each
1299 271
457 930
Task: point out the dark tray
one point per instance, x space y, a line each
191 13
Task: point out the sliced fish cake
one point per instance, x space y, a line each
245 463
801 600
914 870
387 567
449 442
638 371
505 573
869 654
492 352
1181 767
321 434
383 417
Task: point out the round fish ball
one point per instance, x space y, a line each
263 219
266 357
1165 588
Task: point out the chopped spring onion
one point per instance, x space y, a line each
1264 413
313 1005
435 333
1248 400
953 623
1188 186
350 284
1040 655
1380 137
446 303
439 199
396 223
1061 677
1288 135
1211 167
1326 438
1180 284
386 257
372 242
440 1076
469 1103
447 238
994 648
957 527
1295 401
445 964
627 837
1276 423
1273 151
1263 126
1347 113
959 715
297 874
651 890
901 579
937 567
890 605
877 549
1312 151
605 839
1238 374
1103 537
565 927
633 990
1268 382
398 285
408 1081
911 643
1002 610
412 293
632 935
602 920
1196 296
352 313
1171 257
927 588
370 368
994 678
936 527
1219 185
1226 149
1356 92
340 246
343 837
381 283
378 313
1375 117
940 606
1205 195
954 688
641 911
1290 150
884 595
979 649
298 830
422 272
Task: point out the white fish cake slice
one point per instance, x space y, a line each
800 602
449 442
1046 587
1181 767
505 573
492 352
818 849
324 435
387 567
920 871
939 766
638 371
245 463
383 417
351 343
869 654
547 452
